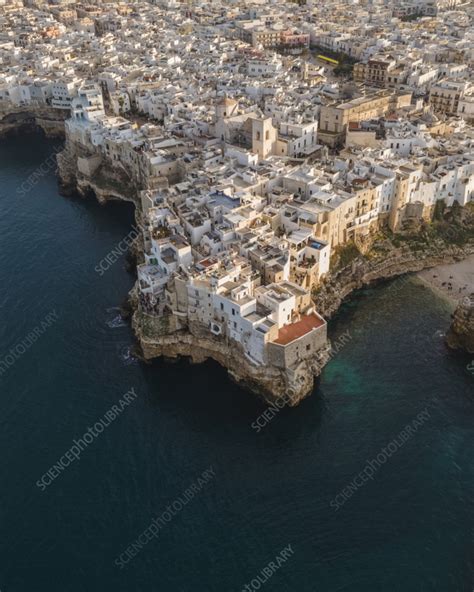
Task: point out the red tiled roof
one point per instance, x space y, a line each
289 333
207 262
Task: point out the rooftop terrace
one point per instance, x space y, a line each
290 333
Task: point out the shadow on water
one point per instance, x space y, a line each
208 401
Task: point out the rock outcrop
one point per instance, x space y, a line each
273 384
15 120
364 272
461 331
84 173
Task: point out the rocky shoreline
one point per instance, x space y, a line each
23 120
271 383
362 273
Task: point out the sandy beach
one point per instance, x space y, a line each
454 281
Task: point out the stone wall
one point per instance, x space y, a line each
87 166
158 326
304 348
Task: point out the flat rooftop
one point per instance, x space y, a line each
290 333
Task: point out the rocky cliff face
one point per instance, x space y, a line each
77 175
283 387
274 385
14 120
155 334
83 173
361 272
461 331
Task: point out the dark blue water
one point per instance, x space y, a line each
409 529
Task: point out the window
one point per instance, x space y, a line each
222 306
308 347
233 312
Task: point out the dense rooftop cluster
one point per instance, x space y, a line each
257 137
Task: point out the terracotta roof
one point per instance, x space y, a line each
289 333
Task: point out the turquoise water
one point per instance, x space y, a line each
408 529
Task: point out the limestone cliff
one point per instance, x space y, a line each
79 171
363 272
273 384
461 331
14 120
83 172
